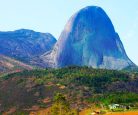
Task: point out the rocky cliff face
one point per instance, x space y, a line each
89 38
25 45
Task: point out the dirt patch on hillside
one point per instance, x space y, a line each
124 113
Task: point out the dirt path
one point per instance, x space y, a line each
85 112
88 112
41 112
124 113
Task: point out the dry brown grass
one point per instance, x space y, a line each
124 113
40 112
89 112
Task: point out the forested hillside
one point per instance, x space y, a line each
82 86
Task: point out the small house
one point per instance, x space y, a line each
113 106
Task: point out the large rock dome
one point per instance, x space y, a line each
89 39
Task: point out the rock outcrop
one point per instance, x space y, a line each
89 38
26 45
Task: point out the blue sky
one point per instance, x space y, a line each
52 15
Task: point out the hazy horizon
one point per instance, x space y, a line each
51 16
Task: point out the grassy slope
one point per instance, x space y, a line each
81 85
9 65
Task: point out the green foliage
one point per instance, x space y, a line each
80 83
132 69
59 98
118 109
120 98
39 81
20 113
61 106
102 112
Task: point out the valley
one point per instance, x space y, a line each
86 71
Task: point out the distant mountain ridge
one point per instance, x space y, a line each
89 39
25 45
